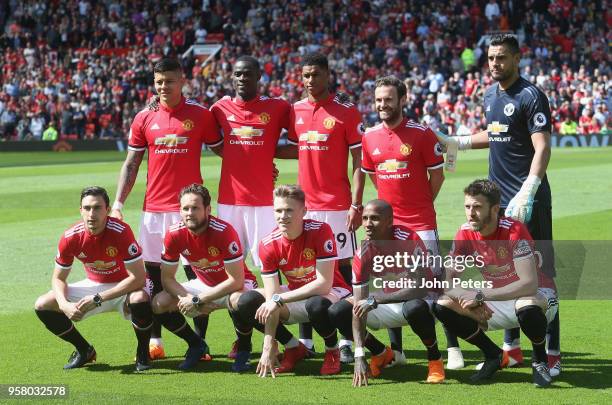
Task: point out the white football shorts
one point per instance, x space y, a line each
346 242
251 223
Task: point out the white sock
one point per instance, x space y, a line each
293 343
516 344
307 342
344 342
156 341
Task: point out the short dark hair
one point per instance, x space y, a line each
197 189
508 40
486 188
249 60
290 191
167 65
95 191
385 208
315 59
393 82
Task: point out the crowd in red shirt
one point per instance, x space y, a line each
86 65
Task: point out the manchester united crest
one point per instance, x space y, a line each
502 252
188 125
405 149
329 122
309 254
213 251
111 251
264 118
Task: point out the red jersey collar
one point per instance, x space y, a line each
176 108
328 100
242 103
400 125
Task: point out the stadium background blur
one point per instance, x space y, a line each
85 66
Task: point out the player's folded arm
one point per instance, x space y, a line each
320 286
134 281
168 277
234 281
525 286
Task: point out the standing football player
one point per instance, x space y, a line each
173 132
213 250
518 136
404 161
115 280
251 126
326 129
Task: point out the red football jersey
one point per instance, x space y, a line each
104 255
511 241
324 133
297 258
174 138
251 131
414 246
207 252
400 158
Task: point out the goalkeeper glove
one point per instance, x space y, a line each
521 206
451 145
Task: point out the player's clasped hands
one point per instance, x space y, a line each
360 375
361 308
187 307
72 311
269 358
265 310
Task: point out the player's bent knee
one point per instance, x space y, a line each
415 309
317 307
162 302
46 302
340 310
138 296
445 301
527 302
232 301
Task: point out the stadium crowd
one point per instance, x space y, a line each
83 67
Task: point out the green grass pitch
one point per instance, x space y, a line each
39 199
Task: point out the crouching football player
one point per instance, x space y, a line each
305 252
115 280
213 250
393 307
519 293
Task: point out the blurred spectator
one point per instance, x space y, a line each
50 133
86 64
569 126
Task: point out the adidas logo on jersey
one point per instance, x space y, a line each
488 108
376 152
300 121
82 255
231 118
155 126
282 262
186 252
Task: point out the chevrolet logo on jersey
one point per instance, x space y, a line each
313 137
205 263
171 140
247 132
496 128
391 166
101 265
300 272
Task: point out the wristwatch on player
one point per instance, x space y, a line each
371 301
97 299
196 300
278 300
357 207
479 298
